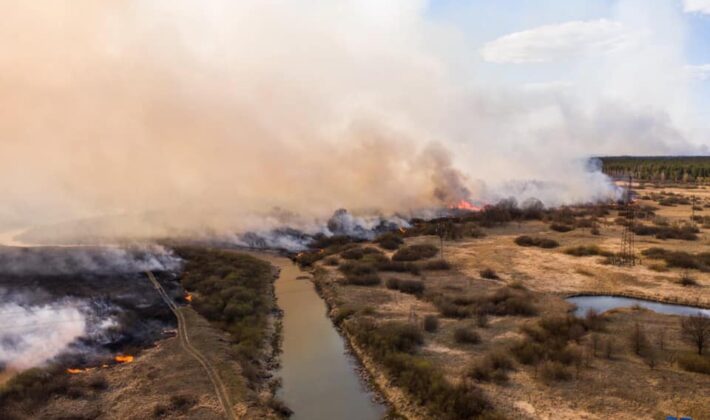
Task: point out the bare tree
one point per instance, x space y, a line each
695 329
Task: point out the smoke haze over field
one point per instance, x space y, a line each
183 115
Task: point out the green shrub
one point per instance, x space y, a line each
415 252
464 335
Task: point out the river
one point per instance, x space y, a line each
320 380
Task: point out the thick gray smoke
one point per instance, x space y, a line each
86 260
183 117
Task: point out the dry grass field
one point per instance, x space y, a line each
601 374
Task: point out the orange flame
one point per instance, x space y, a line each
188 297
465 205
123 358
402 230
74 371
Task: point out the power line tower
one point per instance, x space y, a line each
626 255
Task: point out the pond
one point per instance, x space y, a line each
605 303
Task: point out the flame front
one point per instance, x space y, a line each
465 205
123 358
188 297
74 371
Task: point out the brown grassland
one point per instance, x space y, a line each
504 327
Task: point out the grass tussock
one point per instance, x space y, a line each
488 273
695 363
559 227
506 301
437 265
532 241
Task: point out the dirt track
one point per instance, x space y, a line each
220 388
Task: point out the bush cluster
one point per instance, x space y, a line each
559 227
502 302
412 287
390 241
463 335
493 367
587 250
680 259
525 240
393 346
695 363
686 232
232 290
415 252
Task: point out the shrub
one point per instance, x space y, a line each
557 227
415 252
586 250
357 268
494 366
343 313
389 241
412 287
694 363
352 254
551 371
680 259
431 323
525 240
686 280
437 265
370 279
398 267
464 335
332 261
392 283
489 274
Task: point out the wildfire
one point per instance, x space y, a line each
465 205
74 371
188 297
123 358
402 230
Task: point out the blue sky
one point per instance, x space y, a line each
659 40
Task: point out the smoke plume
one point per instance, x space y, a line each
159 118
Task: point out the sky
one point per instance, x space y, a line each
192 116
545 42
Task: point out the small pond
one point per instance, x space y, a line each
605 303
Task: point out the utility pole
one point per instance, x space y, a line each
626 255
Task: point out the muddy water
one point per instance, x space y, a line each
605 303
319 378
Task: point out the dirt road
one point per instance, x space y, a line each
219 387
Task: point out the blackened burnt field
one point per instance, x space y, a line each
107 288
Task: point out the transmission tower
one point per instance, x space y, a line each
626 255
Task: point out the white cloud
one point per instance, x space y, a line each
698 72
699 6
560 41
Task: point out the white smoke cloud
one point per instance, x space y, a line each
173 117
32 335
